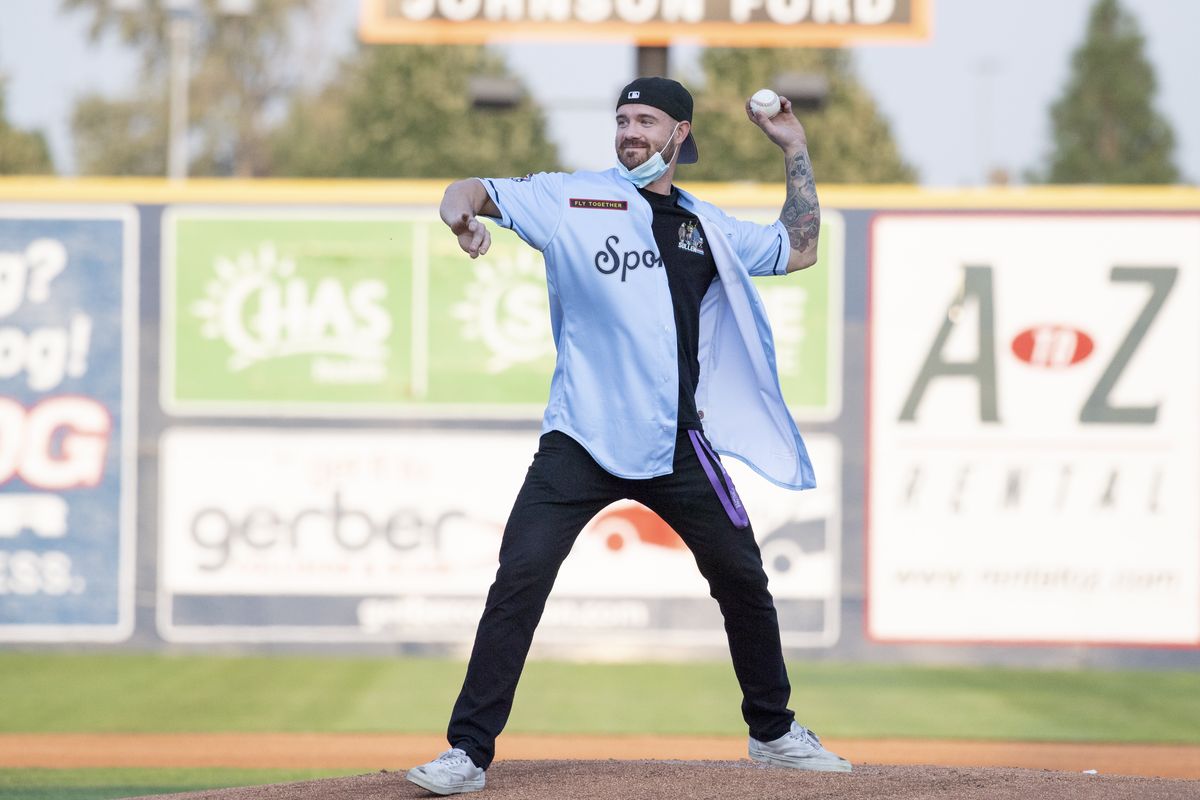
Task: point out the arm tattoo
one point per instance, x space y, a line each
801 213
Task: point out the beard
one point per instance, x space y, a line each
633 152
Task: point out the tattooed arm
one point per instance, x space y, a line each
801 213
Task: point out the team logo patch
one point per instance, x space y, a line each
633 95
606 205
690 238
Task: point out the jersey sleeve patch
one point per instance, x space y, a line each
601 205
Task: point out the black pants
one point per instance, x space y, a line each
563 490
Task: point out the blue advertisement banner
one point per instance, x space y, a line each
68 326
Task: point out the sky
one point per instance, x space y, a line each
972 98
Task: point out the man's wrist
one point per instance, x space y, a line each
795 148
453 216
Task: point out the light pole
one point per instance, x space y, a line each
985 73
181 26
179 35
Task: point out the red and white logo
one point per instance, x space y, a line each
1052 346
625 524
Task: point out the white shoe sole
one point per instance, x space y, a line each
807 764
443 789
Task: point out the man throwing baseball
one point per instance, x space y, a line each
665 358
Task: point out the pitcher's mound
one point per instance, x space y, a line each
729 780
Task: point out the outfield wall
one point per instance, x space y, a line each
292 414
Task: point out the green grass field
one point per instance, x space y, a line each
47 693
103 784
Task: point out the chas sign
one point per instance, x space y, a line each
328 313
1034 428
307 312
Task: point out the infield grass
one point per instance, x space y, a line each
105 784
157 693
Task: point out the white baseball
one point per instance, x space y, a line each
766 102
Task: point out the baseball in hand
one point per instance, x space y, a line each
766 102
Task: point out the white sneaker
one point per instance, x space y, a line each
453 772
799 748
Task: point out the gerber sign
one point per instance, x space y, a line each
325 535
1034 443
728 23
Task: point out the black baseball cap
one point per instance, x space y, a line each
669 96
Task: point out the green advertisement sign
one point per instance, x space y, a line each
340 313
805 309
283 310
489 325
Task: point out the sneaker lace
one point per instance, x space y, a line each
803 734
453 757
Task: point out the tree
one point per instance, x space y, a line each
242 66
848 139
21 152
120 137
405 111
1106 129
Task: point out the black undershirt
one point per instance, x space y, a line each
690 270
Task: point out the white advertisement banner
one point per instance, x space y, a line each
323 535
1034 439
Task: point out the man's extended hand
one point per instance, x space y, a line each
783 129
473 236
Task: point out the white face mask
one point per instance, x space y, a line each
651 169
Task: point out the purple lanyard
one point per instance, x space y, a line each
730 500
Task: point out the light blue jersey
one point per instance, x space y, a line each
615 388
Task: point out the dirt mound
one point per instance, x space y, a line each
721 780
395 751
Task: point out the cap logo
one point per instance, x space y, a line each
633 95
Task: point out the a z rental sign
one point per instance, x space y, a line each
1034 466
730 23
